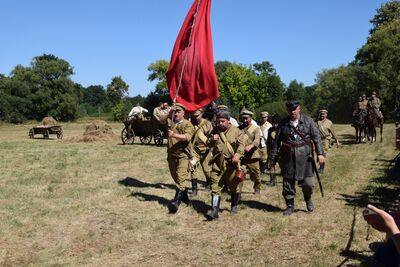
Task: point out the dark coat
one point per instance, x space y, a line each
292 152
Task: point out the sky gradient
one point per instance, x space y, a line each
102 39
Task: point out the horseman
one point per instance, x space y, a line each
375 104
359 108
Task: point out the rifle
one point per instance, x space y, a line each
311 157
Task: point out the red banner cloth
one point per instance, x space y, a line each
199 81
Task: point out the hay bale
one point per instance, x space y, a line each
49 121
98 130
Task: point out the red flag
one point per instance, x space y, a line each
193 53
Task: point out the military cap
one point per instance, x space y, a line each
224 107
323 111
246 113
197 112
292 104
223 114
179 106
264 114
373 93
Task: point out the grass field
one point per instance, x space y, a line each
68 203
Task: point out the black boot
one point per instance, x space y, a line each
263 167
234 202
207 186
174 205
290 207
309 203
194 187
272 182
185 198
213 214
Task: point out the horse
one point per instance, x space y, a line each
373 121
360 125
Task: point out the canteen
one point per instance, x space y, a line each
240 174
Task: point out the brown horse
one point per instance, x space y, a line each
360 125
373 121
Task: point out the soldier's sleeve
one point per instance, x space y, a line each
257 137
188 130
332 131
240 144
316 138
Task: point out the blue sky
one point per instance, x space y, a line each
102 39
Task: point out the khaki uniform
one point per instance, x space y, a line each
251 135
199 150
327 133
375 103
157 113
359 107
178 157
223 171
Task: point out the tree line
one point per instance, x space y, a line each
45 88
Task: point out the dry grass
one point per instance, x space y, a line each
66 203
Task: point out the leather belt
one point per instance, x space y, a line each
295 144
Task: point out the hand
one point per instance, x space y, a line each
248 148
321 159
215 137
381 220
236 159
171 134
338 145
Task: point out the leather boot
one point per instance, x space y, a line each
213 214
194 187
309 203
234 202
174 205
290 207
185 198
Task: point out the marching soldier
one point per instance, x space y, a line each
232 120
227 149
199 150
251 159
179 134
264 127
325 127
294 143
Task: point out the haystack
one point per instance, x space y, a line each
49 121
98 130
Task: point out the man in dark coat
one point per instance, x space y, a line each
294 144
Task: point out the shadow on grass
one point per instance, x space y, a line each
260 206
348 139
134 182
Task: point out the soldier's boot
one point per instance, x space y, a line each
185 198
176 202
213 214
234 202
272 182
194 187
309 203
290 207
263 167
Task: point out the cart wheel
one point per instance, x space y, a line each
159 138
145 139
31 134
60 134
46 134
127 139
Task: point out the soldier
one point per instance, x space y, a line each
232 120
199 150
251 137
293 143
179 134
264 127
228 148
325 127
375 104
157 111
358 107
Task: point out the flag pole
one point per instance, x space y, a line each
186 53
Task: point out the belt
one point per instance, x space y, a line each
295 145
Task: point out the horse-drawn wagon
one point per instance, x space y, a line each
146 130
46 131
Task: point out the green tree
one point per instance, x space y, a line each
116 90
386 14
158 72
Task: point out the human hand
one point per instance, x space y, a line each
236 159
171 133
215 137
381 220
321 159
248 148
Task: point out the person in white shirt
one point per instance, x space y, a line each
137 112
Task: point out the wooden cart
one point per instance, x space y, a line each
146 130
46 130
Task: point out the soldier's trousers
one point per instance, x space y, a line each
178 167
289 187
253 168
205 165
326 143
223 172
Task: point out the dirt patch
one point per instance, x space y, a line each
49 121
98 130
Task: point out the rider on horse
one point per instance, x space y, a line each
375 104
